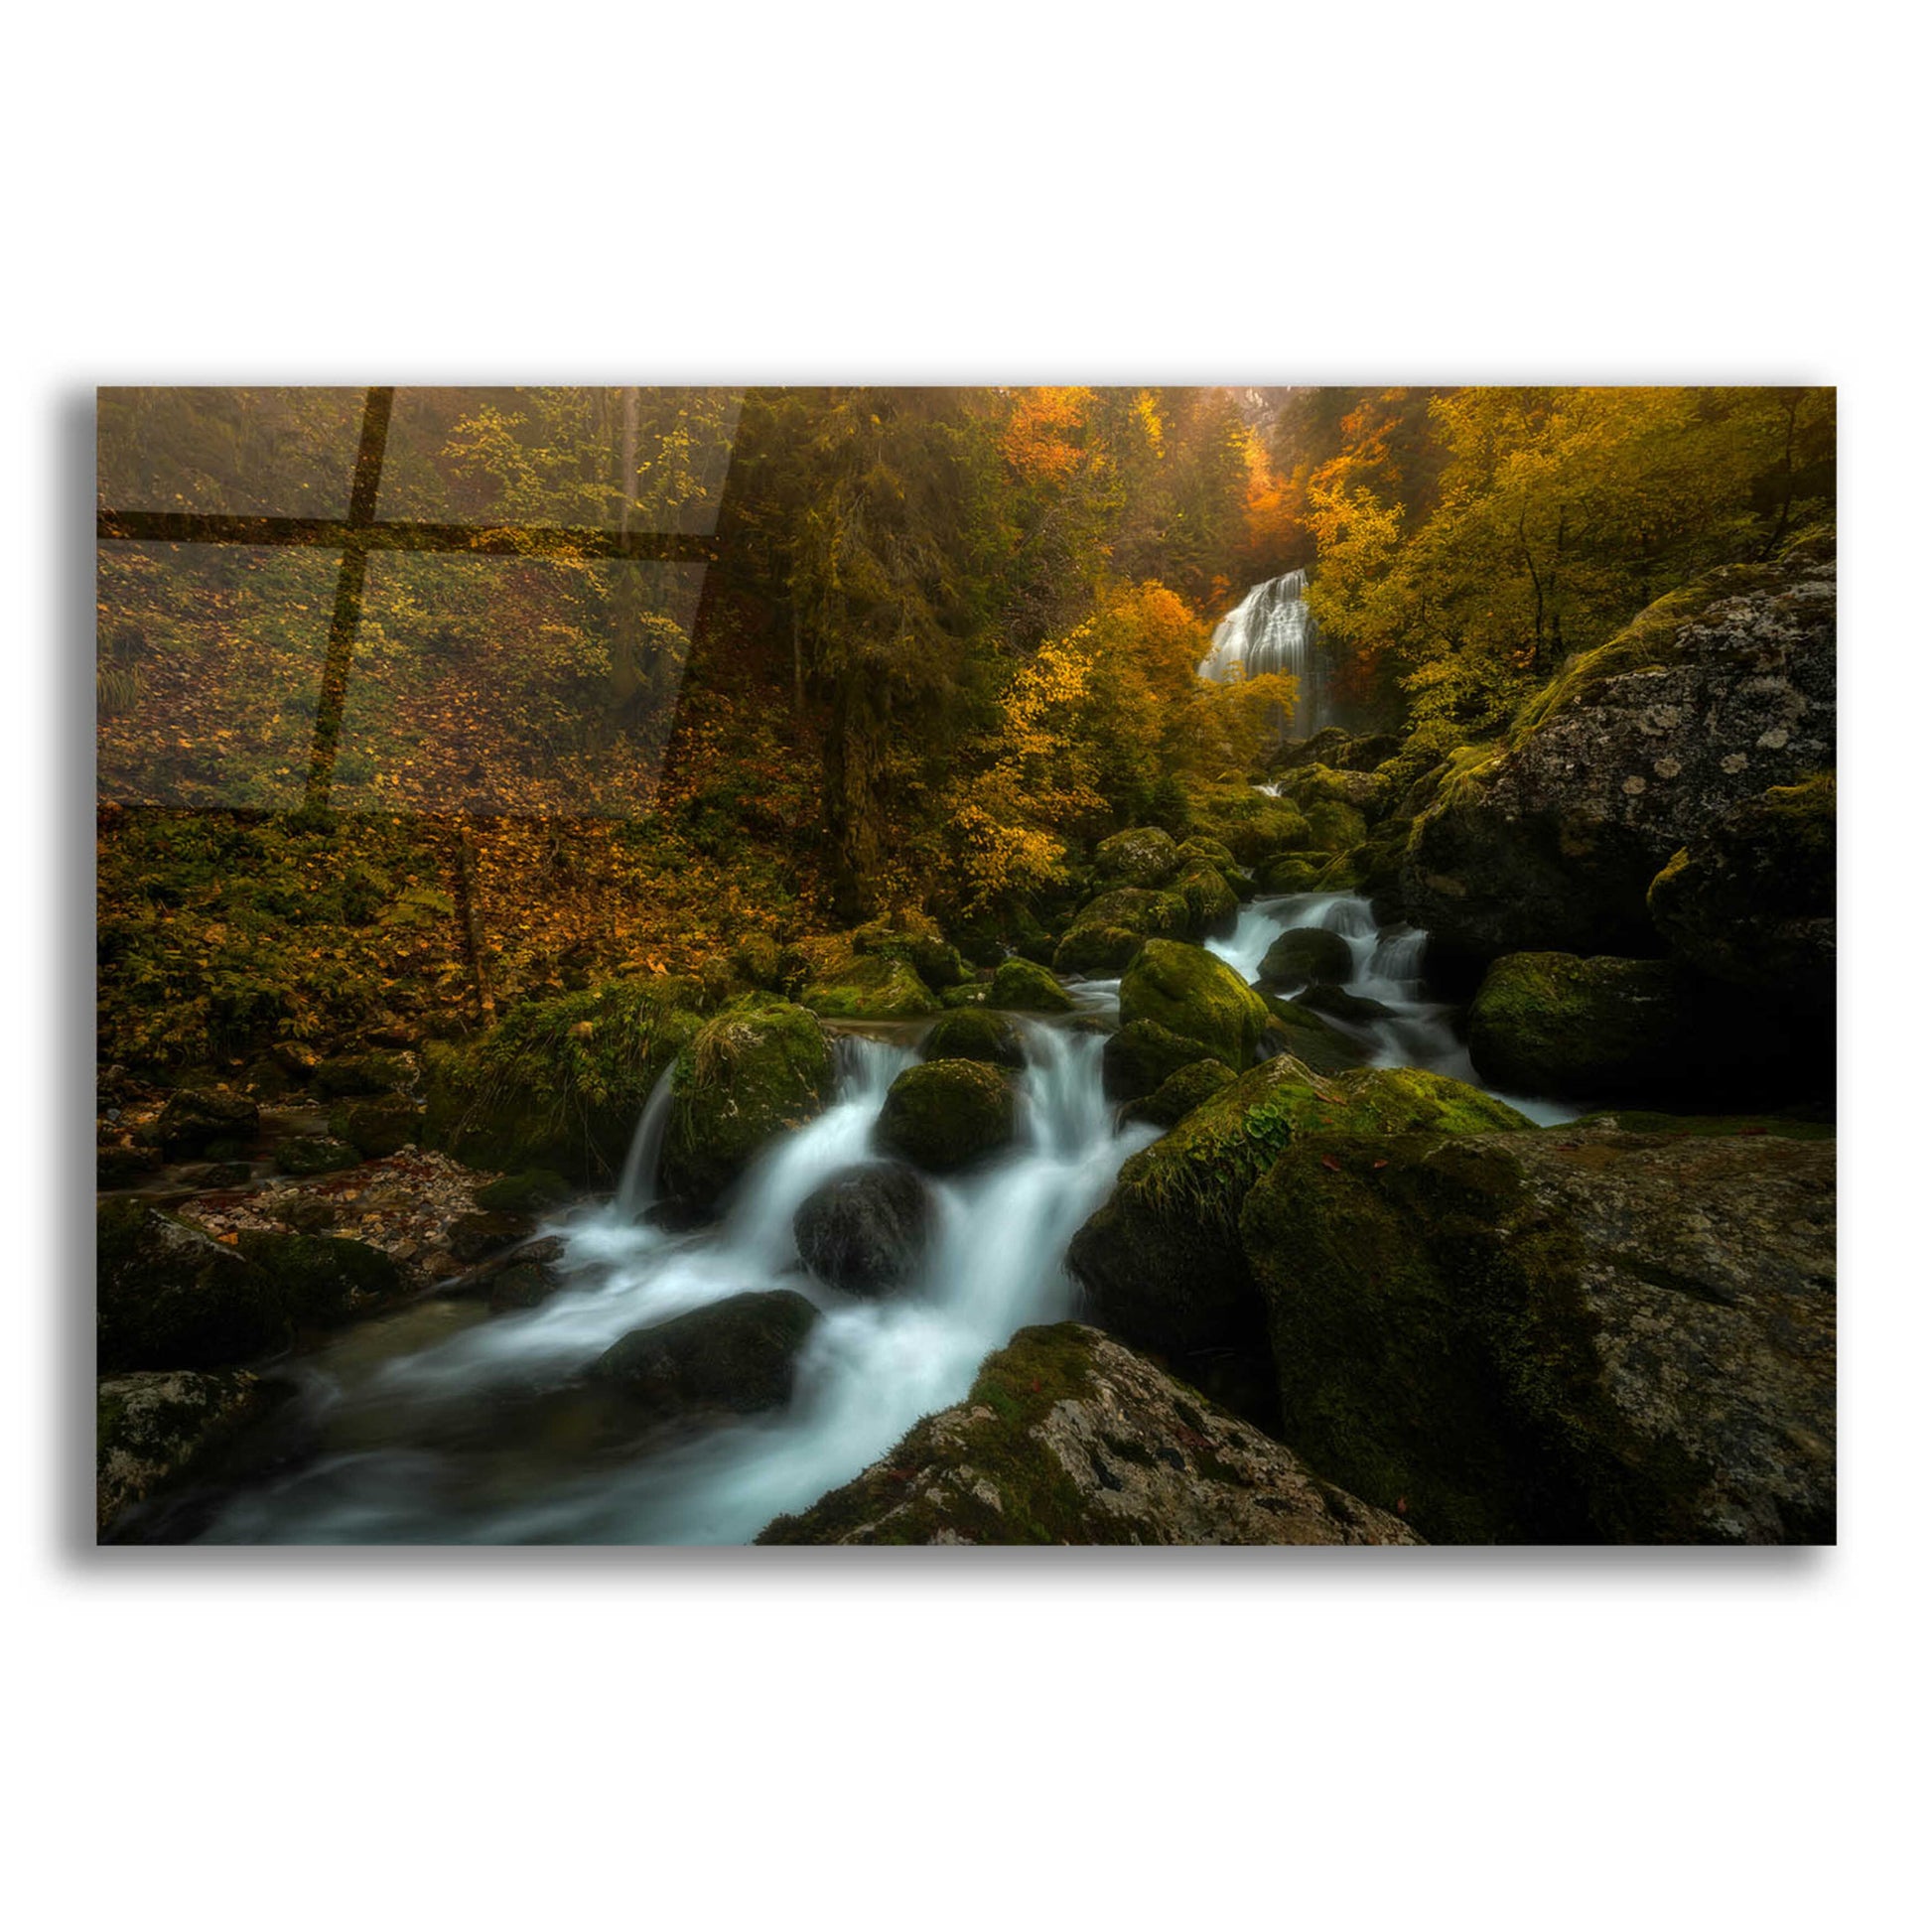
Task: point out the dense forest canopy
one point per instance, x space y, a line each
730 664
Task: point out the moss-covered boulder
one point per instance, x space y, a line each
1250 824
1212 904
119 1166
309 1154
167 1295
1189 992
157 1429
1554 1024
322 1281
1020 986
1557 1337
1139 1056
1306 955
1316 787
1068 1438
1142 857
1752 899
873 986
1108 931
749 1073
916 940
1550 839
381 1070
1309 1037
381 1124
945 1114
560 1084
199 1118
972 1034
1180 1094
535 1191
1286 873
737 1356
866 1230
1162 1262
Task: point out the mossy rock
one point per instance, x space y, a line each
1191 992
1309 1037
1067 1437
1306 955
1020 986
967 998
125 1167
1286 873
918 941
307 1154
1211 853
1141 1057
379 1071
972 1034
756 960
1598 1336
944 1115
1151 914
1162 1262
1554 1024
560 1084
197 1119
1752 899
155 1431
873 986
1097 951
1180 1094
738 1356
753 1071
1248 823
531 1192
323 1281
1144 857
1333 826
167 1295
867 1229
380 1125
1212 904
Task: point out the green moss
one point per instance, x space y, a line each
753 1070
1212 904
1145 856
1020 986
560 1084
524 1193
974 1034
322 1280
870 987
1293 1030
1181 1093
1248 824
944 1114
1188 991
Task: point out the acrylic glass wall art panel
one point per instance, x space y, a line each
976 966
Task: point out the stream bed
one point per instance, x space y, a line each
442 1423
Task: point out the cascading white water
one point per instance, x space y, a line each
1414 1031
411 1439
638 1184
1272 629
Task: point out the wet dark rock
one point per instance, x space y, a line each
866 1230
1068 1438
534 1192
169 1297
736 1355
1565 1336
1022 985
473 1237
197 1119
1180 1094
1140 1056
125 1167
1306 955
206 1177
322 1281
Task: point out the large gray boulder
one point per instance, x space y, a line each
1549 842
1068 1438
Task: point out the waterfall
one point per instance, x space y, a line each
1272 629
638 1184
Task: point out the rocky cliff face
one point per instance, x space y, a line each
1711 696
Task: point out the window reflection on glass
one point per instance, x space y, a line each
207 667
560 457
227 452
366 665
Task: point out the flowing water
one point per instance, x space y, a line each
445 1422
1272 629
1412 1029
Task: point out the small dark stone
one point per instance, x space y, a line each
195 1118
866 1230
475 1236
738 1355
315 1154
